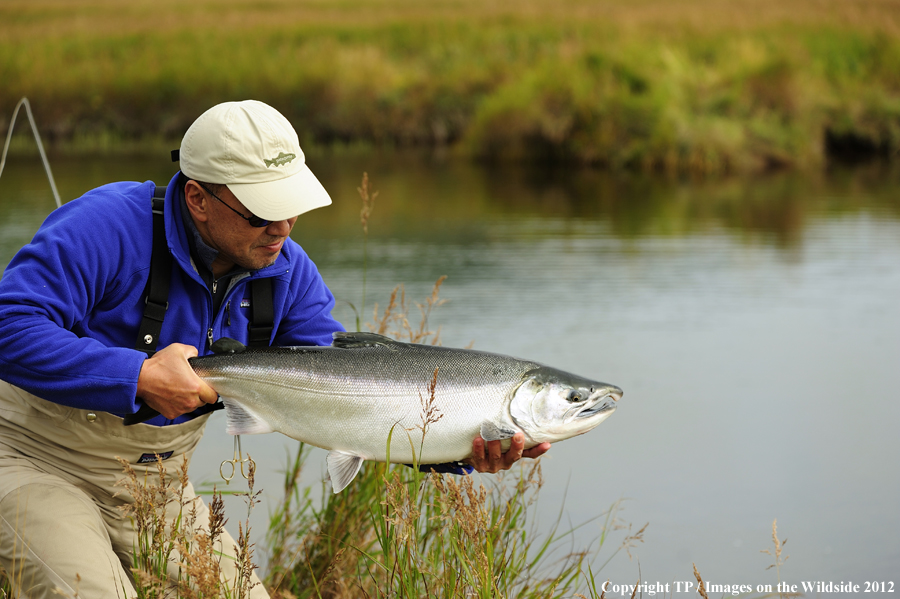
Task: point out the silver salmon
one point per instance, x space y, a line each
369 397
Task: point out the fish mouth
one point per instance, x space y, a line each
604 404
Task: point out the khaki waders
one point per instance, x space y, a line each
61 530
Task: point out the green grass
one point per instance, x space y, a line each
395 532
646 85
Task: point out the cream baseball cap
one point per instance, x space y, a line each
250 147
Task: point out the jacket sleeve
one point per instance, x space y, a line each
71 267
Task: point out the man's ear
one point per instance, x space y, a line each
196 200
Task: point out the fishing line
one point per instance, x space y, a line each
37 138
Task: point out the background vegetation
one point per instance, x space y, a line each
699 85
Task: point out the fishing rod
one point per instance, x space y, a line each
37 138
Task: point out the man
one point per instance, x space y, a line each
72 303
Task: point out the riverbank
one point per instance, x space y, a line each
645 86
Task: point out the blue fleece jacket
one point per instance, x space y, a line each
71 301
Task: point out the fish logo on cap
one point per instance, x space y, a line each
279 160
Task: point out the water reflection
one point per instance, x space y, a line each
772 209
421 199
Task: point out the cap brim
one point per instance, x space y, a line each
284 198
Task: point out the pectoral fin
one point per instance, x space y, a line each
241 421
493 432
342 468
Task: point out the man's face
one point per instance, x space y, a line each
232 236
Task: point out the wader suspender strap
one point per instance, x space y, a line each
156 294
262 312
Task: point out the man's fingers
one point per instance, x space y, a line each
207 394
478 449
536 451
495 452
189 351
169 385
488 456
514 453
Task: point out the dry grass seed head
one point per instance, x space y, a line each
251 475
430 412
333 566
151 584
469 508
401 512
779 547
631 541
245 565
701 588
530 483
201 565
381 323
431 302
394 321
217 517
368 200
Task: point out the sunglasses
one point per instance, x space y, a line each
254 220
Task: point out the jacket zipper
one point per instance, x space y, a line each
215 285
209 332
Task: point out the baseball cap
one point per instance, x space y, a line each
250 147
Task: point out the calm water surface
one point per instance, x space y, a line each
753 324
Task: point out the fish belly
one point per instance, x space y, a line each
361 418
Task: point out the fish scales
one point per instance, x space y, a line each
341 396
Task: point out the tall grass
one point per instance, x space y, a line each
701 85
176 553
401 533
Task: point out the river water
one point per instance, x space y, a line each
754 325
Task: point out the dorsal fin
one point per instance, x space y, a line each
347 340
227 345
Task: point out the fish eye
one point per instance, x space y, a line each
573 396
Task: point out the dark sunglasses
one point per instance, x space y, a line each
254 220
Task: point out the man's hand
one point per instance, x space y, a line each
168 384
488 456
